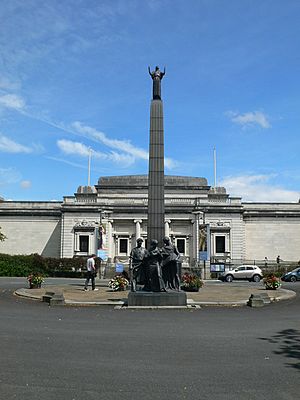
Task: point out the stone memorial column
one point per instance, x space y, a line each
156 205
155 293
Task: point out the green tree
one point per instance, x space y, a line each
2 236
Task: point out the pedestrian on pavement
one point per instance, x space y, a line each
91 272
278 260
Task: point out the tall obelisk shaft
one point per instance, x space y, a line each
156 198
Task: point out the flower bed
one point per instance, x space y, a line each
271 282
35 280
191 282
118 283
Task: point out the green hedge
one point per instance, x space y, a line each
23 265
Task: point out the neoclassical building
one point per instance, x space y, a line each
206 224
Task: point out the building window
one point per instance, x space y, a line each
84 244
180 244
220 244
123 246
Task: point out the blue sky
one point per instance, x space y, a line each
74 76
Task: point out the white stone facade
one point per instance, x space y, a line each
31 227
237 231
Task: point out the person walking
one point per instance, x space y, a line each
91 272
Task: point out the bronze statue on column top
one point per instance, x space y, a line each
156 76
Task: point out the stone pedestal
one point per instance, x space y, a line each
157 299
255 300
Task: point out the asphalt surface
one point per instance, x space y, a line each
103 353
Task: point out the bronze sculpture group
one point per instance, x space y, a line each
156 269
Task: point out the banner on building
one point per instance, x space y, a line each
119 268
102 237
103 254
204 242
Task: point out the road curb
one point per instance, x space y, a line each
281 294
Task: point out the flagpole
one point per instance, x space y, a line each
89 167
215 168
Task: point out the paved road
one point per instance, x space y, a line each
100 353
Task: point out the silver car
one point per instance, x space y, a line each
247 272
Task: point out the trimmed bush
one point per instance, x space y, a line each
23 265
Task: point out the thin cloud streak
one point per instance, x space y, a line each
76 148
112 143
123 145
16 103
12 101
76 165
9 146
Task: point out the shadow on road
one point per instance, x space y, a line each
289 346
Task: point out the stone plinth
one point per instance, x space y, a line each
156 299
255 300
54 298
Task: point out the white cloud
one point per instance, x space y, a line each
12 101
250 118
69 147
9 146
76 148
170 163
122 145
258 188
9 176
25 184
7 84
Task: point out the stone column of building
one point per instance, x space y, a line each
116 239
109 239
193 245
167 227
156 206
196 237
137 228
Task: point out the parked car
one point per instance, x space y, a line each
292 276
246 272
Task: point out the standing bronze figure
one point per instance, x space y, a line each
171 257
157 76
136 265
154 280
